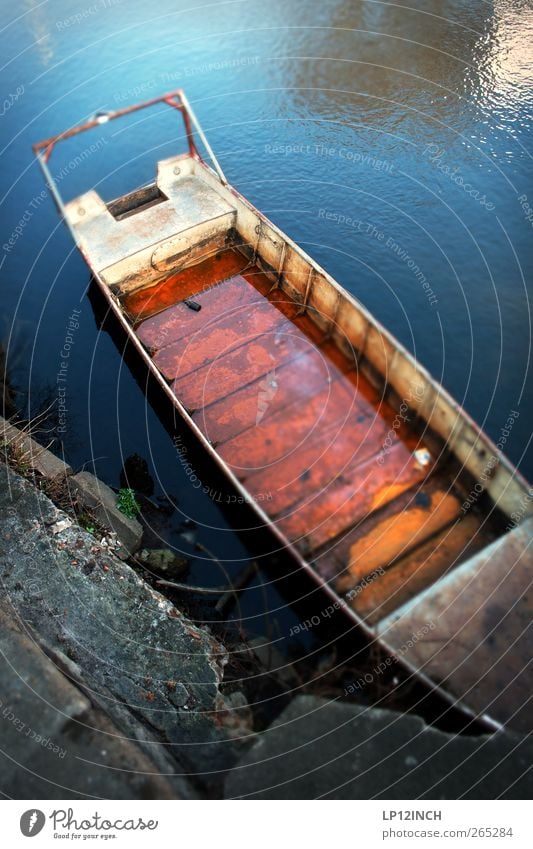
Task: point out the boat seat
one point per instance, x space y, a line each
186 220
471 630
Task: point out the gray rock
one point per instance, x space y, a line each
132 646
164 561
54 744
102 502
338 750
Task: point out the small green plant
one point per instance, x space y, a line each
87 523
127 503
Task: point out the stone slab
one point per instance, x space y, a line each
132 646
55 744
337 750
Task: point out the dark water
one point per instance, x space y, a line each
392 141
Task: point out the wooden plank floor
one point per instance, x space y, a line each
297 423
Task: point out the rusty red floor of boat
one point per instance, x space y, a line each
151 300
292 417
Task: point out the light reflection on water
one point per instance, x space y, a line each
300 100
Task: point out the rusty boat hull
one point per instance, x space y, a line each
376 481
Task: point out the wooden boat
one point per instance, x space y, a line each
365 469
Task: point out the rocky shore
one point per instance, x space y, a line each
108 690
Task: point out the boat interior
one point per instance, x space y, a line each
345 478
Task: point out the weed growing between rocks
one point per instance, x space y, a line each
127 503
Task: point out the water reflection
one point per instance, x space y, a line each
419 70
386 82
503 61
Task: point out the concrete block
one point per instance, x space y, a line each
102 502
153 670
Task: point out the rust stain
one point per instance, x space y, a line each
283 385
284 433
178 321
144 303
237 368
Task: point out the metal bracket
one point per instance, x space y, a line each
259 230
176 99
280 267
308 286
